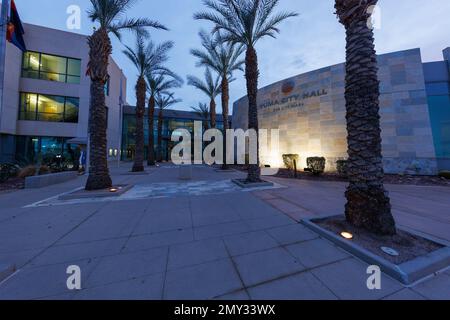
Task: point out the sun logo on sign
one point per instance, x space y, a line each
288 87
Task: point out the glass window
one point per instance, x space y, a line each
106 88
31 62
51 68
40 107
71 111
73 70
53 152
28 106
50 108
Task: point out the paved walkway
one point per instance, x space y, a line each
207 240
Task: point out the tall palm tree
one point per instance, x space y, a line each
211 88
224 59
202 111
368 203
109 15
163 101
141 58
158 84
245 22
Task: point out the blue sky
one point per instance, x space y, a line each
313 40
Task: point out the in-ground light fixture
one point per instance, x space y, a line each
347 235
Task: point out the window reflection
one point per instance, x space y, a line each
51 68
39 107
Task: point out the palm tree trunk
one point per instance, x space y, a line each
141 88
225 111
368 203
251 75
99 50
212 109
151 132
160 125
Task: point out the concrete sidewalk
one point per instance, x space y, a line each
226 244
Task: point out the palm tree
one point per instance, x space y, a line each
140 57
224 59
109 14
211 88
203 112
368 204
158 84
163 101
245 22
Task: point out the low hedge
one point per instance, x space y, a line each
316 164
289 159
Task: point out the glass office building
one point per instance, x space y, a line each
45 107
437 80
172 120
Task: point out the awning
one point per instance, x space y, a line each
80 141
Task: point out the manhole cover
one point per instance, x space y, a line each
390 251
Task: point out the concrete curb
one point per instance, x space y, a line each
243 185
37 182
82 194
407 273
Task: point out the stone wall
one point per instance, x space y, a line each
309 111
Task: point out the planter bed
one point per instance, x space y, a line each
419 255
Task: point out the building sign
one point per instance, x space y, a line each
292 101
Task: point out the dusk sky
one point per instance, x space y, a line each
313 40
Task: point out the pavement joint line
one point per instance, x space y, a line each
63 236
163 292
4 281
235 268
37 204
306 270
144 212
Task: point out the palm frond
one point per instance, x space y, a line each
110 15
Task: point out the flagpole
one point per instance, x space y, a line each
4 21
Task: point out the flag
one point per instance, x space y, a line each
15 31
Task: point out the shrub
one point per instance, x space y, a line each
27 172
445 174
316 164
43 170
289 159
8 171
341 166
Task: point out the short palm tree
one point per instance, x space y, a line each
224 59
368 204
245 22
211 88
202 111
140 57
163 101
159 79
158 84
109 14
